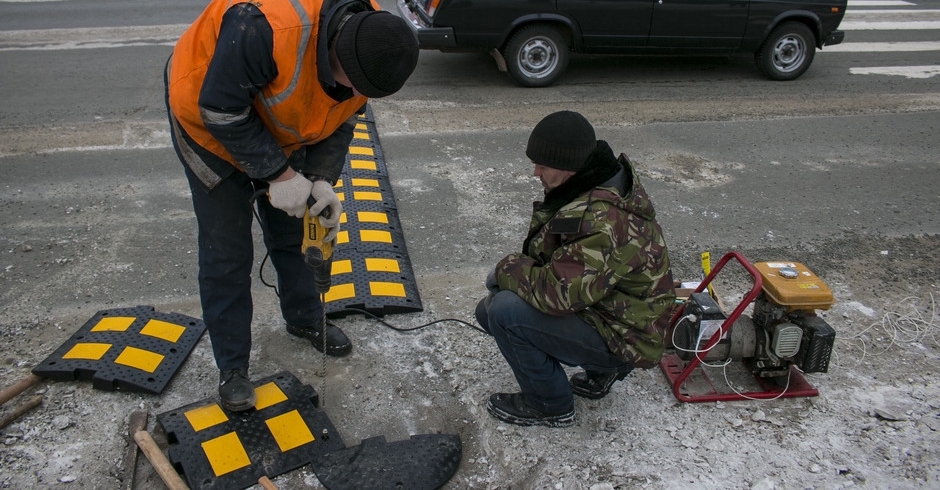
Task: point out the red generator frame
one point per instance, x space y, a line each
678 372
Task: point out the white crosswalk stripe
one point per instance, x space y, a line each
863 15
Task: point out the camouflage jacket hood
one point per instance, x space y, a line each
594 249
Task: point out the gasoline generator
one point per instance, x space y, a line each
782 333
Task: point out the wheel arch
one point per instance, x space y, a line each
805 17
567 27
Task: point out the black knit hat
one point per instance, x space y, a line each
378 52
563 140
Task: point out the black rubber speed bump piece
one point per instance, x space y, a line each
371 269
129 349
379 282
218 449
424 461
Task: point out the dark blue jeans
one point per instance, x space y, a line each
536 345
226 256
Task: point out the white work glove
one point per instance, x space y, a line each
291 195
322 192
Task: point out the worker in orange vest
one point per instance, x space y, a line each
264 96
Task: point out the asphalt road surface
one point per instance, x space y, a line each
838 169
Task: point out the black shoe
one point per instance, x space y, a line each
337 343
235 390
512 408
594 384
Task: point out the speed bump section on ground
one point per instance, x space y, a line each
378 282
128 349
371 269
218 449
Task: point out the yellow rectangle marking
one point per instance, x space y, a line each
114 324
362 127
361 150
367 196
342 217
362 164
205 417
342 237
340 291
371 217
341 267
87 350
267 395
170 332
225 454
382 265
365 182
387 289
361 136
341 196
289 430
372 236
139 359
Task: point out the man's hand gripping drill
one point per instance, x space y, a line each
321 217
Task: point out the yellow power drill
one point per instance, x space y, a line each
318 255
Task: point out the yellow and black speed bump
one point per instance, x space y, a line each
371 269
130 349
216 448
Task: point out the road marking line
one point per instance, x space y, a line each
90 38
882 13
884 47
925 71
888 26
878 3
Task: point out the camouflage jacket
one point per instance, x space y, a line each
598 252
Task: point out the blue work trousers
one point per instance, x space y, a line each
536 345
226 256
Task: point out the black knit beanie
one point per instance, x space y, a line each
378 52
563 140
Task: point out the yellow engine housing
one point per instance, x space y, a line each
792 285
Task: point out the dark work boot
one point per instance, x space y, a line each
235 390
513 408
595 384
337 344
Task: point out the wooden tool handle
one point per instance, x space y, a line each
20 410
169 476
266 483
18 388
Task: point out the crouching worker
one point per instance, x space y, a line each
592 286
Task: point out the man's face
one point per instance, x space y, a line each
551 177
339 74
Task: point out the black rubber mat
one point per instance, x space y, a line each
424 461
371 267
130 349
217 449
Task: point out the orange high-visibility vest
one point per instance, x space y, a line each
293 106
